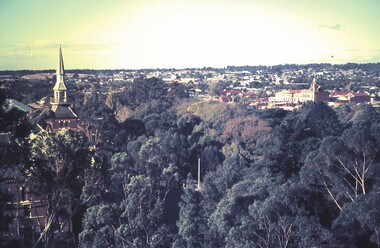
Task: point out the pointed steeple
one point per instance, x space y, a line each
64 115
60 95
61 68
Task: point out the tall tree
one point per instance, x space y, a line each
346 168
190 224
99 226
243 133
141 216
55 172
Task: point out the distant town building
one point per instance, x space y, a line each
64 116
341 97
119 77
294 97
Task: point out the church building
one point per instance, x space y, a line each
297 97
64 116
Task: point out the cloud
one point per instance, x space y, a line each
330 25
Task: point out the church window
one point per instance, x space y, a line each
61 96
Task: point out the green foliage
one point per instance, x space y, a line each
217 88
28 91
142 212
270 178
142 91
55 171
97 229
242 135
96 177
190 223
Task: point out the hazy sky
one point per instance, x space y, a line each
134 34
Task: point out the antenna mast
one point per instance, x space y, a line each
199 175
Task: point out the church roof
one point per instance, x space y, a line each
63 112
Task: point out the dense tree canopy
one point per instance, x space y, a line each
269 178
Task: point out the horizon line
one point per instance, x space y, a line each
204 67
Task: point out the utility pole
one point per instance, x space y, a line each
199 175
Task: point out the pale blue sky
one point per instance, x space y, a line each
136 34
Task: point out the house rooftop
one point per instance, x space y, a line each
12 103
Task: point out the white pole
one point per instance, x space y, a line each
199 174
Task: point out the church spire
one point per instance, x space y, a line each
60 69
60 89
64 116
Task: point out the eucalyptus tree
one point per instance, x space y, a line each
55 174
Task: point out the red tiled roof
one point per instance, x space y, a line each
231 92
345 93
339 93
295 91
225 98
359 94
250 93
